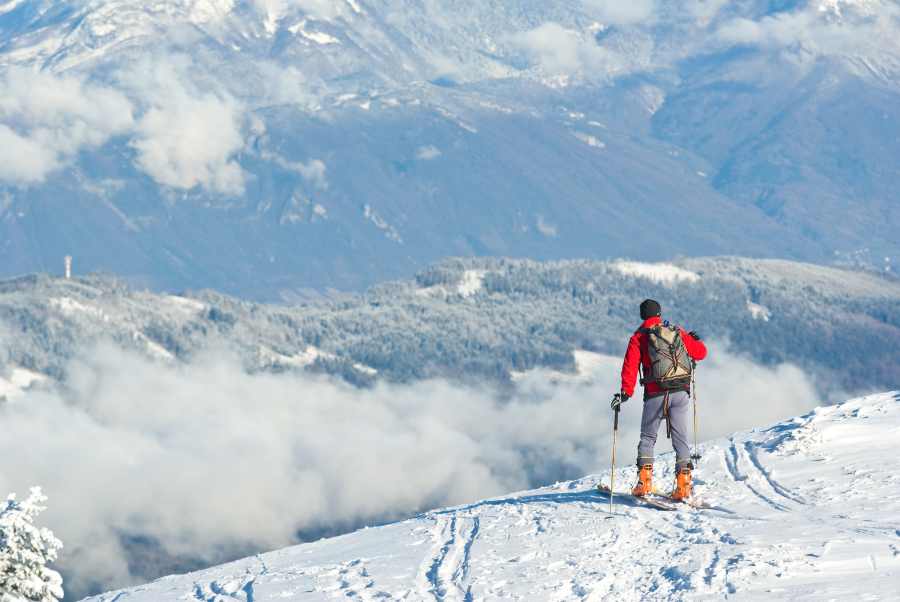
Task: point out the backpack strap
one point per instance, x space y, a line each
666 416
644 381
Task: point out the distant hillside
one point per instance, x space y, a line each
480 318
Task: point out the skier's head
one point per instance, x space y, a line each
650 309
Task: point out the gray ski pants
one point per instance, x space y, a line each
677 409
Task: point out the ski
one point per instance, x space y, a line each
697 505
604 490
685 502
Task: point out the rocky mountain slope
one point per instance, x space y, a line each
276 150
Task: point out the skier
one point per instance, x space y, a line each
662 349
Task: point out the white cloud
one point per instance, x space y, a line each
617 12
312 171
703 10
818 30
204 11
558 50
288 85
723 410
545 228
446 68
587 138
561 51
23 159
324 10
779 30
185 138
209 460
428 152
45 120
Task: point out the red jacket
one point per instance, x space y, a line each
637 354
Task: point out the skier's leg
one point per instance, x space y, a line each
650 419
679 404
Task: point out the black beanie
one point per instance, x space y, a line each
650 309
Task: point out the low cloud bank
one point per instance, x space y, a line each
207 462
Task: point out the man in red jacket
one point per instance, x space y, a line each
659 402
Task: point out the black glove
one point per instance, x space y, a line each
619 399
694 335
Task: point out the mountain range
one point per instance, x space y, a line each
286 150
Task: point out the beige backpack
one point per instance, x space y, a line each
670 364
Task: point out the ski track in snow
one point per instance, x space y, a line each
806 509
443 571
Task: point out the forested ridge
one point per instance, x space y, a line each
480 318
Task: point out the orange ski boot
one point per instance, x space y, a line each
645 481
682 484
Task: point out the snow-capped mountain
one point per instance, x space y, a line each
267 146
804 509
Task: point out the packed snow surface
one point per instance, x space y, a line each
472 282
758 311
657 272
805 509
17 383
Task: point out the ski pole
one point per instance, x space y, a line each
612 476
696 456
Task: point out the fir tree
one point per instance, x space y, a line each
24 550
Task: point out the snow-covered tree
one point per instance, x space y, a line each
24 550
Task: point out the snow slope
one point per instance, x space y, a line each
806 509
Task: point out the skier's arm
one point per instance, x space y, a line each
695 348
631 364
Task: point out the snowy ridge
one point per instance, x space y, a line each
47 319
806 509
